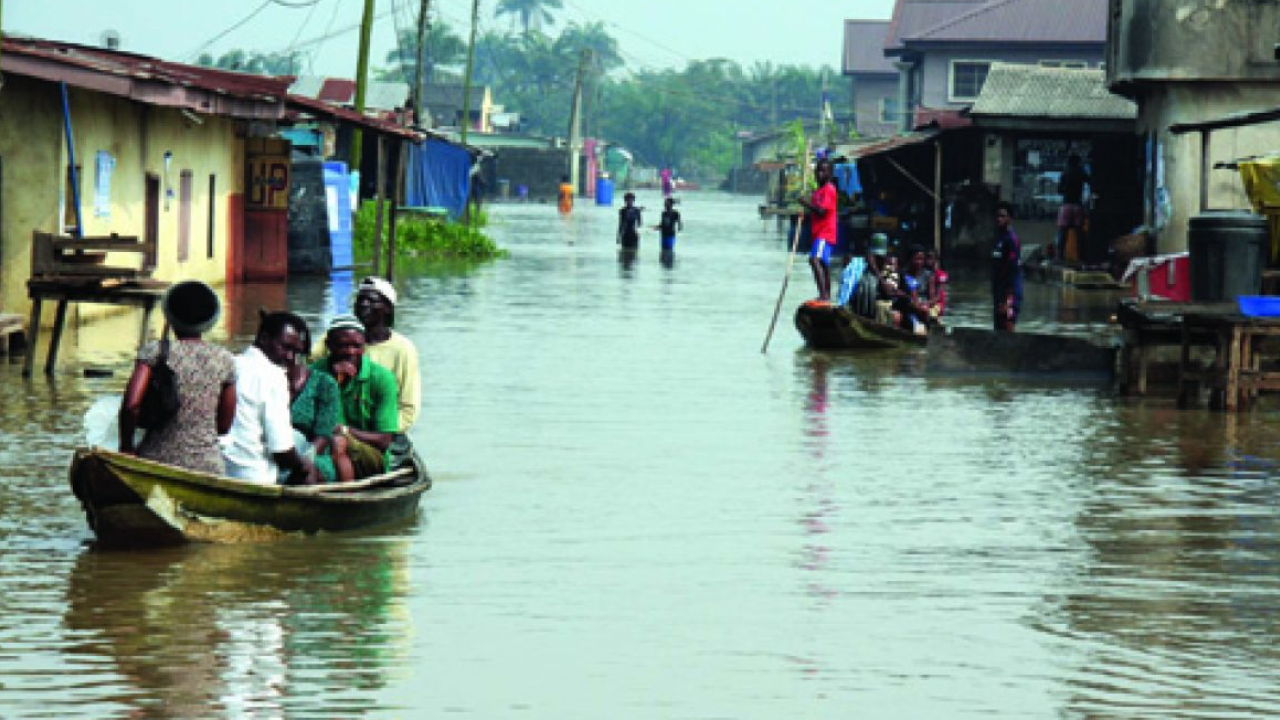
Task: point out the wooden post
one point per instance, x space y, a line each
420 54
471 61
1204 170
362 80
396 201
575 122
381 185
937 196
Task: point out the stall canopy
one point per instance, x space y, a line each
439 175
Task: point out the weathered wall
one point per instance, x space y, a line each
868 91
1164 104
1160 40
937 66
137 137
31 150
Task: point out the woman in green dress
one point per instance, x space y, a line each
316 410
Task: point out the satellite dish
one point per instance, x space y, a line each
109 39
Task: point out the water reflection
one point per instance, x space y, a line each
261 631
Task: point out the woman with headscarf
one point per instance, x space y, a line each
205 379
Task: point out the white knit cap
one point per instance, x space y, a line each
380 286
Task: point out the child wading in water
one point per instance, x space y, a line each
629 223
822 209
669 224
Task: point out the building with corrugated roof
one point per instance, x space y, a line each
181 155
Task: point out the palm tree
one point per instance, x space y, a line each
531 14
442 48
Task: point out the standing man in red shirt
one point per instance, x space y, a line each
823 213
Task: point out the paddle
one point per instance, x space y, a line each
791 257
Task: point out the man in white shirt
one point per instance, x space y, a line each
261 442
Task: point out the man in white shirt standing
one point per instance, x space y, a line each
261 443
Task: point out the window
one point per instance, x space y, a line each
184 215
213 208
889 113
967 77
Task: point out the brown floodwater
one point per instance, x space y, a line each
638 515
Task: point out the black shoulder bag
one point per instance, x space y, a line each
160 401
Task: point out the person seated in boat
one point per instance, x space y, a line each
260 446
889 293
913 304
868 289
375 306
938 278
316 411
370 404
205 376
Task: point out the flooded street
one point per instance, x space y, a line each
636 515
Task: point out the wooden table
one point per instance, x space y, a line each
1151 324
143 292
1235 377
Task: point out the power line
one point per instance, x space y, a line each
231 29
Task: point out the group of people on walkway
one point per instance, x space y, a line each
268 415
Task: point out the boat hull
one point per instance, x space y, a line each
976 350
128 500
833 327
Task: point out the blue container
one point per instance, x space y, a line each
604 191
337 187
1259 305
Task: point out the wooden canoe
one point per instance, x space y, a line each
133 501
834 327
978 350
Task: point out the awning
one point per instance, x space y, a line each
896 143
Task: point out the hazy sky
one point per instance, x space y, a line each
651 34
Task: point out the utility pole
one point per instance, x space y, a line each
421 55
575 120
471 60
362 79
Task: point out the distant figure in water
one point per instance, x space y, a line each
821 208
566 195
669 224
667 185
629 223
1006 270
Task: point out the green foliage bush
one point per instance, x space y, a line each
418 236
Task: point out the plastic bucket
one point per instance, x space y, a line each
1227 254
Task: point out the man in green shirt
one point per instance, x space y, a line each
370 416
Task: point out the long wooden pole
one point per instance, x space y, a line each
791 257
471 61
381 184
420 55
362 80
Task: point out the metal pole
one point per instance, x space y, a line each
420 55
937 197
71 159
381 185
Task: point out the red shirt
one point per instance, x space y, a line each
825 227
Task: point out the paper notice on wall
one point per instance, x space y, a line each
104 166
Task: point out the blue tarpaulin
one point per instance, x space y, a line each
439 175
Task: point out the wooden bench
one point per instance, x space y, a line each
69 269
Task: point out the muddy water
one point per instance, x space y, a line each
638 515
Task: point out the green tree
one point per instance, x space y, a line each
256 63
531 14
442 47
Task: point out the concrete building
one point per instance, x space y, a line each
1233 69
873 76
178 154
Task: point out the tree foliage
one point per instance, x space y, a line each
255 63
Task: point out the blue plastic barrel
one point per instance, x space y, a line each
604 191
